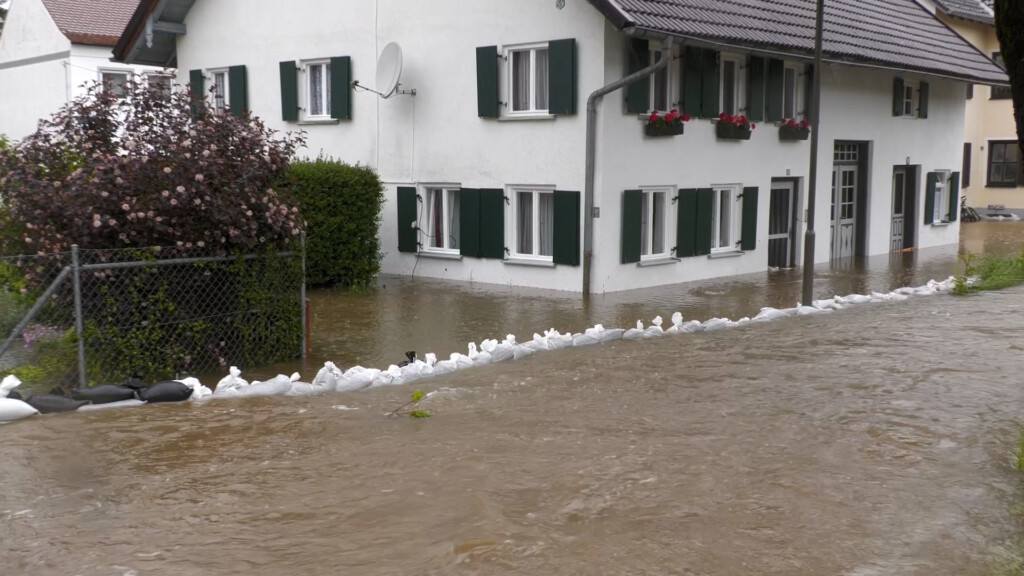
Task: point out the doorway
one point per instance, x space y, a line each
903 197
781 215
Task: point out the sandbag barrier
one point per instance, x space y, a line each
331 379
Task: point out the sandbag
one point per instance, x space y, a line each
111 405
230 384
11 410
52 403
306 389
390 377
328 376
166 391
356 378
276 386
104 393
8 383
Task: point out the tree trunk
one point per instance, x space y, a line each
1010 31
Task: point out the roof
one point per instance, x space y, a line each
96 22
150 35
897 34
967 9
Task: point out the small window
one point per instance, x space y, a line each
732 85
114 81
533 229
725 225
528 79
160 84
661 96
940 206
441 212
220 90
1003 163
654 223
908 99
318 89
790 92
1000 92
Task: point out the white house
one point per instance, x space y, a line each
50 48
484 145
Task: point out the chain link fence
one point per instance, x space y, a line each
93 316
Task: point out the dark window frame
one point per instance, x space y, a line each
999 92
1005 182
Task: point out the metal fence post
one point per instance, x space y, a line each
302 298
77 281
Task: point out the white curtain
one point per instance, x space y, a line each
541 76
524 229
658 232
645 223
453 219
521 80
546 223
316 95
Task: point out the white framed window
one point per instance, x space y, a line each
160 83
527 79
940 207
733 84
114 81
533 222
655 222
725 213
221 90
910 96
439 218
662 82
317 89
791 92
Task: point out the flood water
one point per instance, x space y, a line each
869 441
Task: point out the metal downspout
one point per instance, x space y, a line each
588 190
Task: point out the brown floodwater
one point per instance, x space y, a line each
870 441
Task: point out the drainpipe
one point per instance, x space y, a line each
588 190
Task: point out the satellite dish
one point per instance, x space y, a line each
389 69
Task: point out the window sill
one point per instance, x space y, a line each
1001 185
725 254
525 117
440 255
315 121
657 262
941 224
528 262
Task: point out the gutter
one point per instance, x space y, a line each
588 190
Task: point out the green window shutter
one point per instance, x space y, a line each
492 223
289 92
756 80
198 88
922 104
237 90
487 82
631 220
954 196
692 89
562 76
638 98
929 197
407 219
748 239
704 220
469 222
709 83
686 223
567 228
341 87
808 91
775 89
897 96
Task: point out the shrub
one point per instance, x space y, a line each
342 208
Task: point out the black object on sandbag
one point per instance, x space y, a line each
165 391
104 394
50 403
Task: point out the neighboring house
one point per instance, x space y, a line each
485 165
993 171
50 48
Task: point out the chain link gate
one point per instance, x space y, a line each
156 312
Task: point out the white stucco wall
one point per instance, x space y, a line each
436 136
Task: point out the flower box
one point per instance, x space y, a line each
652 129
727 131
790 132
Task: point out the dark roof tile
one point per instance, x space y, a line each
97 22
967 9
888 33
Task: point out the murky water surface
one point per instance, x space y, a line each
870 441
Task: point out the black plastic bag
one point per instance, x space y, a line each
50 403
104 394
166 391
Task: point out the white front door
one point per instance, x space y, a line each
780 225
844 212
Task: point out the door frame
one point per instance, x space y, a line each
794 214
910 194
861 198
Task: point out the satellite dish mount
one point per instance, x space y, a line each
389 73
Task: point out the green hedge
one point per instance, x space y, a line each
341 205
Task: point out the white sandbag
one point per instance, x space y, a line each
655 329
416 370
715 324
390 377
229 385
130 403
677 324
604 334
583 339
7 384
691 327
199 392
518 350
741 321
276 386
356 378
482 356
557 340
430 358
501 351
539 343
635 333
328 376
11 410
306 389
808 310
769 313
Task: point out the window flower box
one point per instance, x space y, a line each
731 127
792 130
671 124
